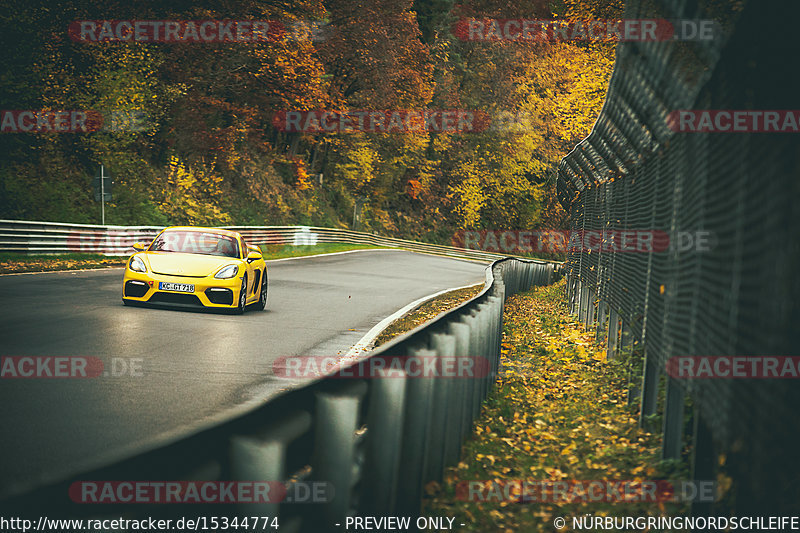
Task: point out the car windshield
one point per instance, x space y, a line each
196 242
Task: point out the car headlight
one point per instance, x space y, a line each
137 265
228 272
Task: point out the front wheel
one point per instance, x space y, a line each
242 297
262 298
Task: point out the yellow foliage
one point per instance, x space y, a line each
192 195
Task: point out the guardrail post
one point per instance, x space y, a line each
385 415
415 432
486 351
261 456
333 460
476 344
497 335
460 331
444 410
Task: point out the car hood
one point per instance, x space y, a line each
181 264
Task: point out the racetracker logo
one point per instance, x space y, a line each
68 367
539 30
382 366
581 491
75 121
382 121
734 121
520 242
733 367
194 31
182 492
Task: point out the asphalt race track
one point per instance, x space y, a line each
189 368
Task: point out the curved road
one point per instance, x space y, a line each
192 367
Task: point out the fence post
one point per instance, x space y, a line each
602 321
673 420
583 303
703 460
613 335
591 309
648 403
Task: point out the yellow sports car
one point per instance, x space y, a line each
196 267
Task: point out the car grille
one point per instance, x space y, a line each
135 289
176 275
175 298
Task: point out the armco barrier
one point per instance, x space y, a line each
55 237
375 441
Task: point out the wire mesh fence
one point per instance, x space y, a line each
728 200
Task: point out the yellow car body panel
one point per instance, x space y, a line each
180 266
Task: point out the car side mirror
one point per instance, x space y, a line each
139 246
254 256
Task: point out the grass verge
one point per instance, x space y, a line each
558 413
428 310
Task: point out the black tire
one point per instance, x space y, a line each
262 298
240 307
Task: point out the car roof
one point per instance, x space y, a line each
206 229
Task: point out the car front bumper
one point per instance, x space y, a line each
142 287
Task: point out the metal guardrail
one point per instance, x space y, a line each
375 441
55 237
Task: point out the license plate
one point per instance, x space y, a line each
177 287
